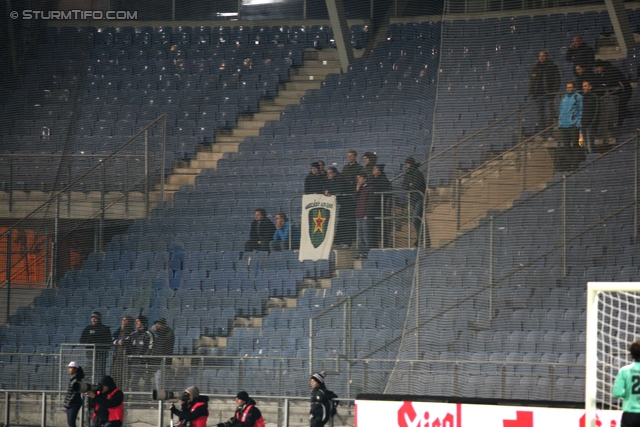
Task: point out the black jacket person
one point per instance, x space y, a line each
108 404
261 232
193 412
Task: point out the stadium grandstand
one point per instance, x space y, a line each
135 151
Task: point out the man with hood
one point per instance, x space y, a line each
370 159
380 184
336 186
414 182
194 410
314 182
108 404
611 78
247 414
321 406
100 336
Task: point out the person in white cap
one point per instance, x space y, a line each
73 399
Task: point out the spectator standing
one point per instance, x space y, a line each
365 212
141 343
280 240
98 335
194 411
580 53
247 414
121 349
414 183
163 344
569 128
582 73
612 78
349 174
322 168
370 159
321 401
73 399
544 81
108 404
314 182
261 232
335 186
380 184
590 115
625 388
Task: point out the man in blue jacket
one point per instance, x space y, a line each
280 240
569 128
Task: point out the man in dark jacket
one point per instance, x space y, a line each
335 186
380 184
580 53
261 233
612 78
370 159
413 182
590 115
544 82
141 344
164 340
321 401
365 213
247 414
314 182
194 409
100 336
582 73
108 404
349 175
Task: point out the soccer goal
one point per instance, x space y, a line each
613 322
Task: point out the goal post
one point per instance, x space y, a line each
613 321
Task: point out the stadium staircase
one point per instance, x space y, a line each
317 64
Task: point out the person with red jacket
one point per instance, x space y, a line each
108 404
247 415
194 410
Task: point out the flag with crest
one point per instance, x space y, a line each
317 226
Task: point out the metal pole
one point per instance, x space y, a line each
10 184
286 412
458 198
160 414
43 413
54 256
635 194
304 9
173 10
8 273
311 346
491 268
163 161
102 207
416 281
7 402
146 172
409 219
564 226
382 211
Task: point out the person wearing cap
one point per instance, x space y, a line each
121 348
335 186
194 411
414 182
164 340
261 232
107 404
314 182
73 399
321 406
247 414
381 188
141 343
98 335
350 171
611 78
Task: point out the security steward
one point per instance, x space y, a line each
247 415
108 404
194 409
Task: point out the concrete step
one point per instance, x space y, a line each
202 164
282 102
207 155
291 94
317 71
179 178
245 132
302 85
264 116
222 146
272 107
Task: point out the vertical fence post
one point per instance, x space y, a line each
163 160
458 201
102 206
146 172
43 413
56 236
7 409
491 268
10 182
8 273
285 422
311 346
635 193
564 226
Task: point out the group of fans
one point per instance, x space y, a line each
106 401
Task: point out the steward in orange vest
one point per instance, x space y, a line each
108 405
247 415
194 412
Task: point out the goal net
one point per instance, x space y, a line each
613 322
